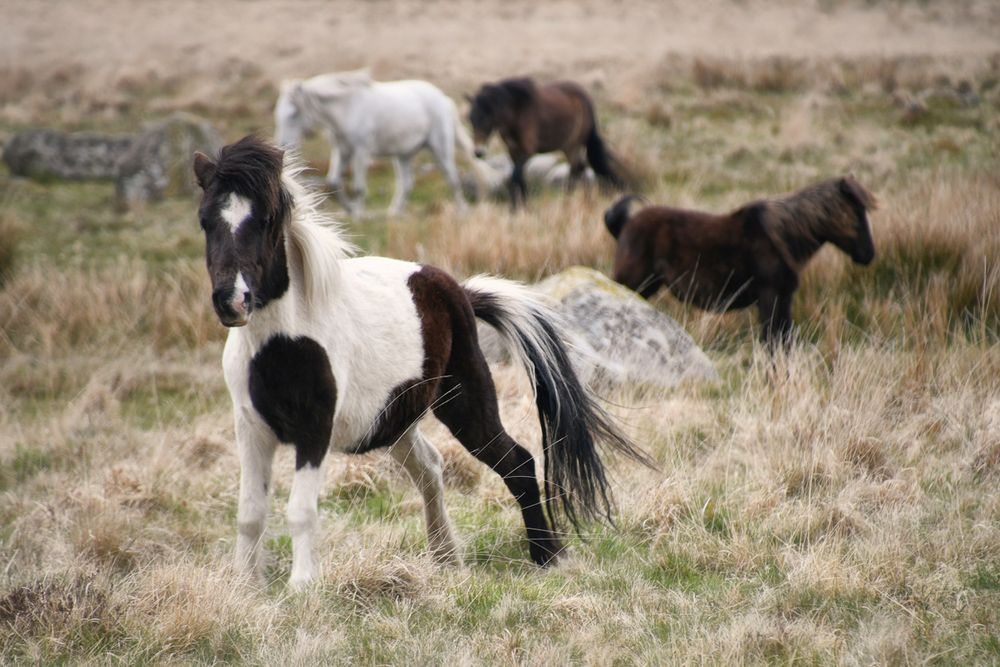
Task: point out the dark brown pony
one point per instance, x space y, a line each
539 119
751 255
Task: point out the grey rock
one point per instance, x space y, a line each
618 338
545 170
158 163
47 154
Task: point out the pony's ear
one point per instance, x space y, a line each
204 169
850 187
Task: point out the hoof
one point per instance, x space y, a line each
299 584
546 553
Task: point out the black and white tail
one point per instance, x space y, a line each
572 421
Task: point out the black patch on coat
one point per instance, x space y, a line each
292 387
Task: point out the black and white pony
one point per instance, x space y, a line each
326 352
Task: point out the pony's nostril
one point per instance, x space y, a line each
220 298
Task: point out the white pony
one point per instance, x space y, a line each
365 119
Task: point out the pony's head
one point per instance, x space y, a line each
290 117
492 107
483 113
853 234
243 211
834 211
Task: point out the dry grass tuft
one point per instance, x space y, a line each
366 579
868 455
10 235
50 313
461 470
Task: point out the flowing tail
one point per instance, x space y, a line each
600 158
572 421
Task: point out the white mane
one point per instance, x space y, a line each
315 241
338 82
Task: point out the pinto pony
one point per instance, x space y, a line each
752 255
330 353
538 119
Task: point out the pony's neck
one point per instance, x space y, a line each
314 248
797 237
332 112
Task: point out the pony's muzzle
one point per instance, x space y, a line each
232 306
863 256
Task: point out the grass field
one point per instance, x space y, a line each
840 505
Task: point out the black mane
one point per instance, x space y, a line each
520 90
516 91
251 168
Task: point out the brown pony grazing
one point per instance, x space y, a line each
539 119
752 255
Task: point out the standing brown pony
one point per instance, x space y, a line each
752 255
539 119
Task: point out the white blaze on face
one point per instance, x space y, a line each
236 211
240 288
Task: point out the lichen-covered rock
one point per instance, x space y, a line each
159 162
618 337
47 154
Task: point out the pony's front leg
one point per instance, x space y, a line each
775 311
403 166
518 186
256 452
359 175
335 172
302 519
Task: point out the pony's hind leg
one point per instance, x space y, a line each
423 463
577 167
256 453
442 145
469 410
